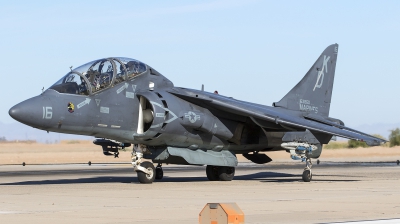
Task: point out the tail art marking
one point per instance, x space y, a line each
321 73
314 91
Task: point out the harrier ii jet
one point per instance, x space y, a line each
124 102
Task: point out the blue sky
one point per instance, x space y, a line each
250 50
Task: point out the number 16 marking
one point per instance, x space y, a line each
47 112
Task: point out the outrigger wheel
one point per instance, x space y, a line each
307 175
145 178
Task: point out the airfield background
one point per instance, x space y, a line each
250 50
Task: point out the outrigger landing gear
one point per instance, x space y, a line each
145 170
307 174
301 151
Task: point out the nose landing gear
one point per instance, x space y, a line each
146 171
148 175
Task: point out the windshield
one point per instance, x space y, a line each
98 75
71 83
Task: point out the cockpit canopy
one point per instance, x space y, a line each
97 75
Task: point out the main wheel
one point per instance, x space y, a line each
226 173
145 178
307 175
159 173
212 173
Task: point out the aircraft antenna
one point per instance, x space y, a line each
70 67
202 87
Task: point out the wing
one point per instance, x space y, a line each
264 115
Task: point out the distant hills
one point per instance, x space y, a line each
18 131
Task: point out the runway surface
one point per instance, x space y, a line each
271 193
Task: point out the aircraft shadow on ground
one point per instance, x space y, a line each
260 176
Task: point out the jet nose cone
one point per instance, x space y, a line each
16 112
35 112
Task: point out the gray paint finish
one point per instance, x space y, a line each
108 98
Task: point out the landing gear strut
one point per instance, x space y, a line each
222 173
146 171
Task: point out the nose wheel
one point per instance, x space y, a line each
148 176
146 172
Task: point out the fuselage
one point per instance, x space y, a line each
119 110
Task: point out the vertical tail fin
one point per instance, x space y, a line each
314 92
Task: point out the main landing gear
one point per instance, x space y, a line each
222 173
159 172
147 173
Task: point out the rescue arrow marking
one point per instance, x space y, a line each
125 86
134 88
98 102
87 101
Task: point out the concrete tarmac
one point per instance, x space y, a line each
270 193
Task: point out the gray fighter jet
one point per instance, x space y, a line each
124 102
